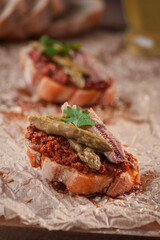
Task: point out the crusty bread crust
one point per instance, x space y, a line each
81 183
30 73
52 91
7 17
21 18
82 16
41 10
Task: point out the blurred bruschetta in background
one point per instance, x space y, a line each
63 72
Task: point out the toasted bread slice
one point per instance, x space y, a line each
84 183
51 91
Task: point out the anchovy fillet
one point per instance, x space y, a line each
118 154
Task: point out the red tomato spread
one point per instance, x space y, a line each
57 148
46 67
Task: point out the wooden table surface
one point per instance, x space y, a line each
13 229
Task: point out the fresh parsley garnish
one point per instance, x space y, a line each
78 117
52 46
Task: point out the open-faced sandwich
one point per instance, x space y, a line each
78 150
63 72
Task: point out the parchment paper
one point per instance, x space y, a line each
134 118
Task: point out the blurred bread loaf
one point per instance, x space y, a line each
20 19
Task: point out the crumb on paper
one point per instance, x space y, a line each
155 144
110 199
120 197
16 109
1 172
28 200
37 186
152 110
125 145
133 139
7 178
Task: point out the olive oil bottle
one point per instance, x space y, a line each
143 18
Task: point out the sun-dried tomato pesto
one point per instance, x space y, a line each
46 67
57 148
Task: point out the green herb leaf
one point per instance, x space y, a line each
56 47
49 41
76 46
78 117
46 41
49 51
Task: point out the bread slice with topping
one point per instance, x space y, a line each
84 183
78 78
86 162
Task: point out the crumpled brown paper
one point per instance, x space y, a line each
135 119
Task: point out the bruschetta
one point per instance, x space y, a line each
63 72
78 150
